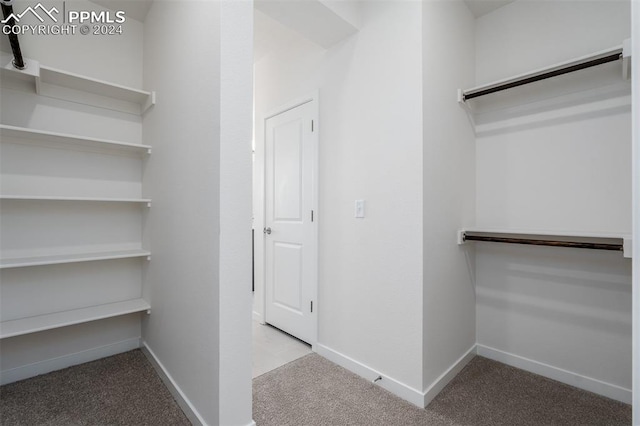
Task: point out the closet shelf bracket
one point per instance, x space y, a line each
467 108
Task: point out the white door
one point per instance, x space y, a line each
290 236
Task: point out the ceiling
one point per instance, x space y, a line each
136 9
270 35
482 7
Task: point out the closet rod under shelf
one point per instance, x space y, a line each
543 76
553 243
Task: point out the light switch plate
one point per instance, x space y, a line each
359 209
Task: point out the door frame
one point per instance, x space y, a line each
260 302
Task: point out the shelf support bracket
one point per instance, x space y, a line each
467 109
151 101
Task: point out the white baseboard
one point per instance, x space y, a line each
414 396
257 317
586 383
49 365
396 387
436 387
189 410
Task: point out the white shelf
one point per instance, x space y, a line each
89 199
92 85
38 323
594 237
597 55
70 258
77 88
66 140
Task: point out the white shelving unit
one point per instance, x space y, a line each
54 139
38 323
67 86
21 262
73 87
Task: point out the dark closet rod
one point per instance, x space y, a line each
533 242
544 76
7 11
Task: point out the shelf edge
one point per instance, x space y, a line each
31 134
24 262
58 320
81 199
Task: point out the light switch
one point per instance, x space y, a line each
359 208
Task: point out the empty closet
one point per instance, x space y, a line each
72 206
553 163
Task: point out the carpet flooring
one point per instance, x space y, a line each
125 390
313 391
122 389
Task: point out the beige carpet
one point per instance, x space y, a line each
313 391
125 390
119 390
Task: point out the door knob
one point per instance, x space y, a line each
267 231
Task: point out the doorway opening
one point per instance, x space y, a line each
285 208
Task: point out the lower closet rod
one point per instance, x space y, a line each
594 246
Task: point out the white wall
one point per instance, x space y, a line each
183 177
635 25
370 270
323 24
448 61
538 34
34 169
555 156
199 177
350 11
236 98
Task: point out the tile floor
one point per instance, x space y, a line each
273 348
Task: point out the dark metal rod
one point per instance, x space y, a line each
18 61
544 76
594 246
